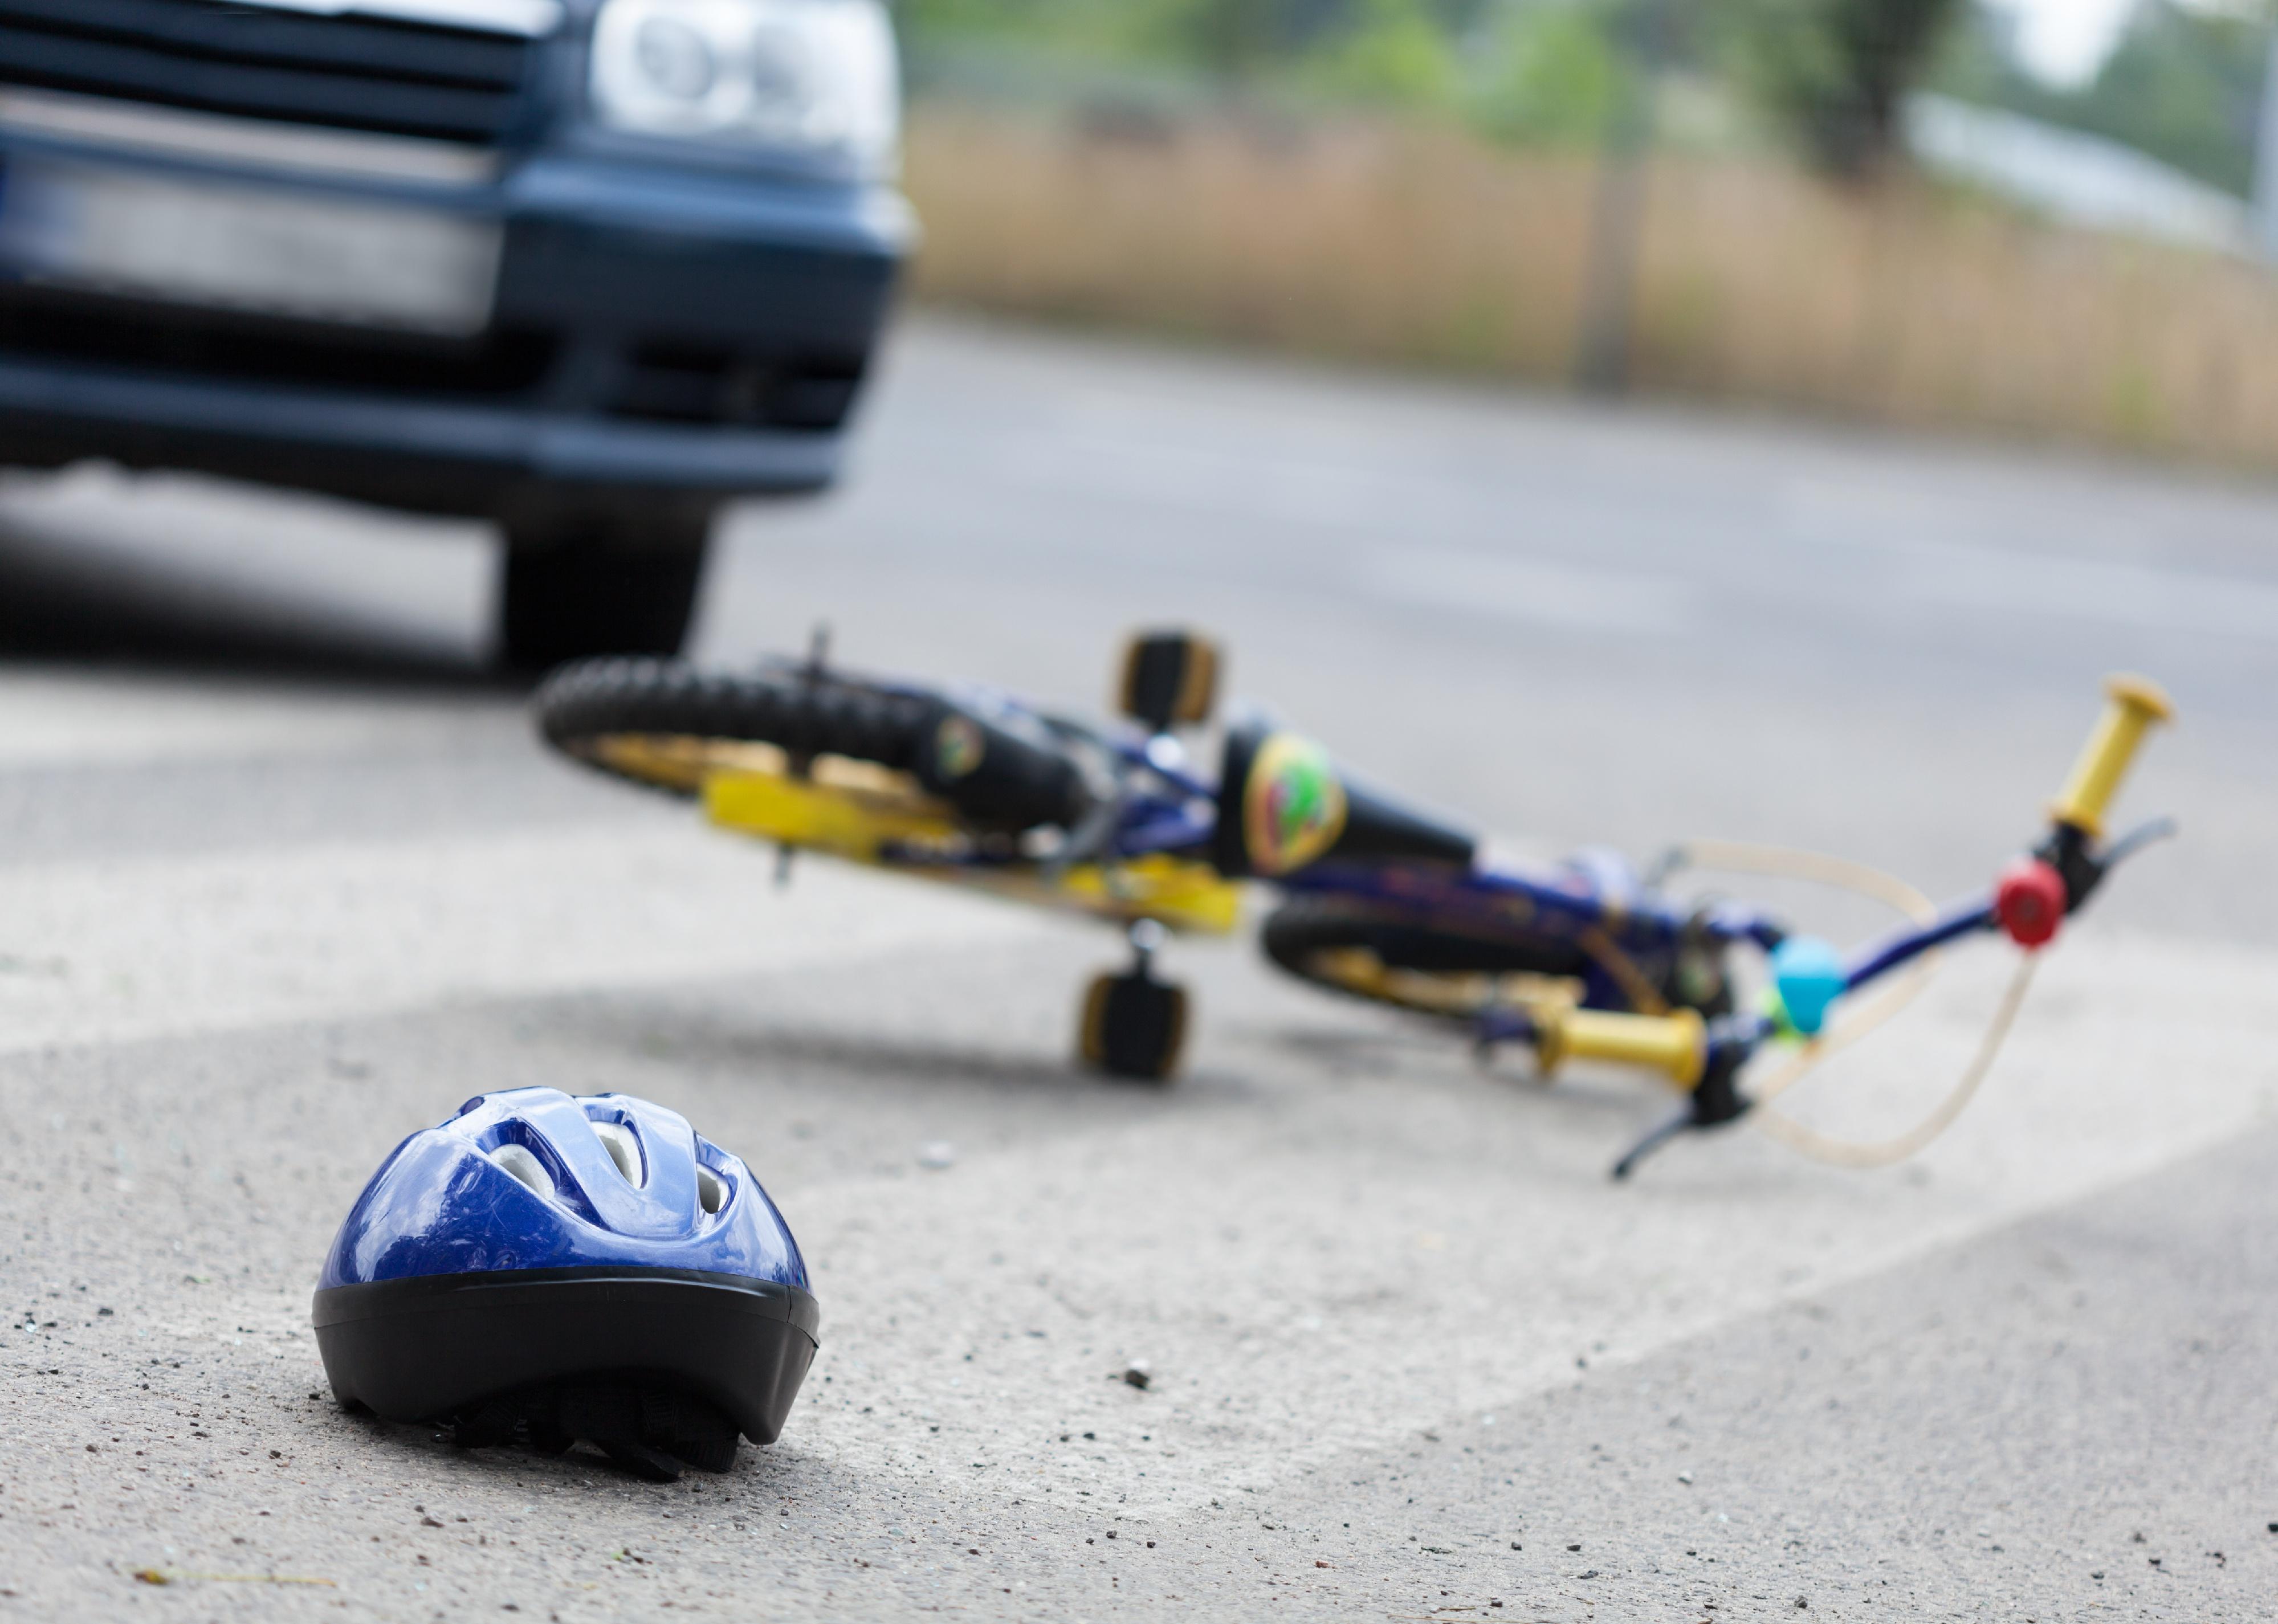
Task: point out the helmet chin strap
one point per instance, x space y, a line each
652 1430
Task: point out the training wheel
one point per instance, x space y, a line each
1134 1026
1170 680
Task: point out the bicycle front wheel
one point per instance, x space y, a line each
1364 950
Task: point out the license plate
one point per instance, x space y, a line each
236 247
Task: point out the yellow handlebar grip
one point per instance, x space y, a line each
1676 1045
2135 704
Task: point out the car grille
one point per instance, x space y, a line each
343 72
507 364
685 383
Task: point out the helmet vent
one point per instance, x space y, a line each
623 1149
524 1168
711 1189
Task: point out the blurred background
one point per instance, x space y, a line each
2041 217
587 273
1506 381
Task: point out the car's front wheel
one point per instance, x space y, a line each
570 588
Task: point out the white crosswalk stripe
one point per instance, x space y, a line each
1424 1251
126 951
58 718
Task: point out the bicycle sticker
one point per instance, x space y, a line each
1293 806
958 747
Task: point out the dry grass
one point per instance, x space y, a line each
1755 283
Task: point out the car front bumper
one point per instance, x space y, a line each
656 333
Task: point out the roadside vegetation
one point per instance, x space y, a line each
1413 182
2184 84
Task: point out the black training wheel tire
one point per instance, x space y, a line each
568 592
1133 1026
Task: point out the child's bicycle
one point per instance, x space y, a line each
1583 960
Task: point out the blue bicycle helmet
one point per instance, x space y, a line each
542 1268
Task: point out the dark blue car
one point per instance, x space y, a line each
588 268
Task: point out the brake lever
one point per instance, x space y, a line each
2080 864
1715 1101
2146 834
1681 1123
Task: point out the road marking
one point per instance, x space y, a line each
1906 534
1199 479
1339 1275
58 718
1312 1267
1534 591
2096 590
107 952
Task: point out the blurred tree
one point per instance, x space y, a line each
1233 38
1557 71
1837 72
1548 71
1230 39
1392 53
924 24
2184 84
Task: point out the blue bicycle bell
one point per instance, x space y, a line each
1808 975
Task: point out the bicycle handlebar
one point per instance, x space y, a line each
1675 1044
2133 704
1705 1060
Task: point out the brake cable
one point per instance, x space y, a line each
1884 1153
1840 873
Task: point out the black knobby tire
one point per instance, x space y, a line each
582 705
1002 782
1305 935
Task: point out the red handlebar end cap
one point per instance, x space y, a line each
2029 901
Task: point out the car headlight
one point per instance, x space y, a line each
810 75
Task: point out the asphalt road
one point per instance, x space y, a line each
283 877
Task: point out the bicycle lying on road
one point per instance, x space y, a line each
1583 960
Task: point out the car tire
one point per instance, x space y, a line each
571 590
